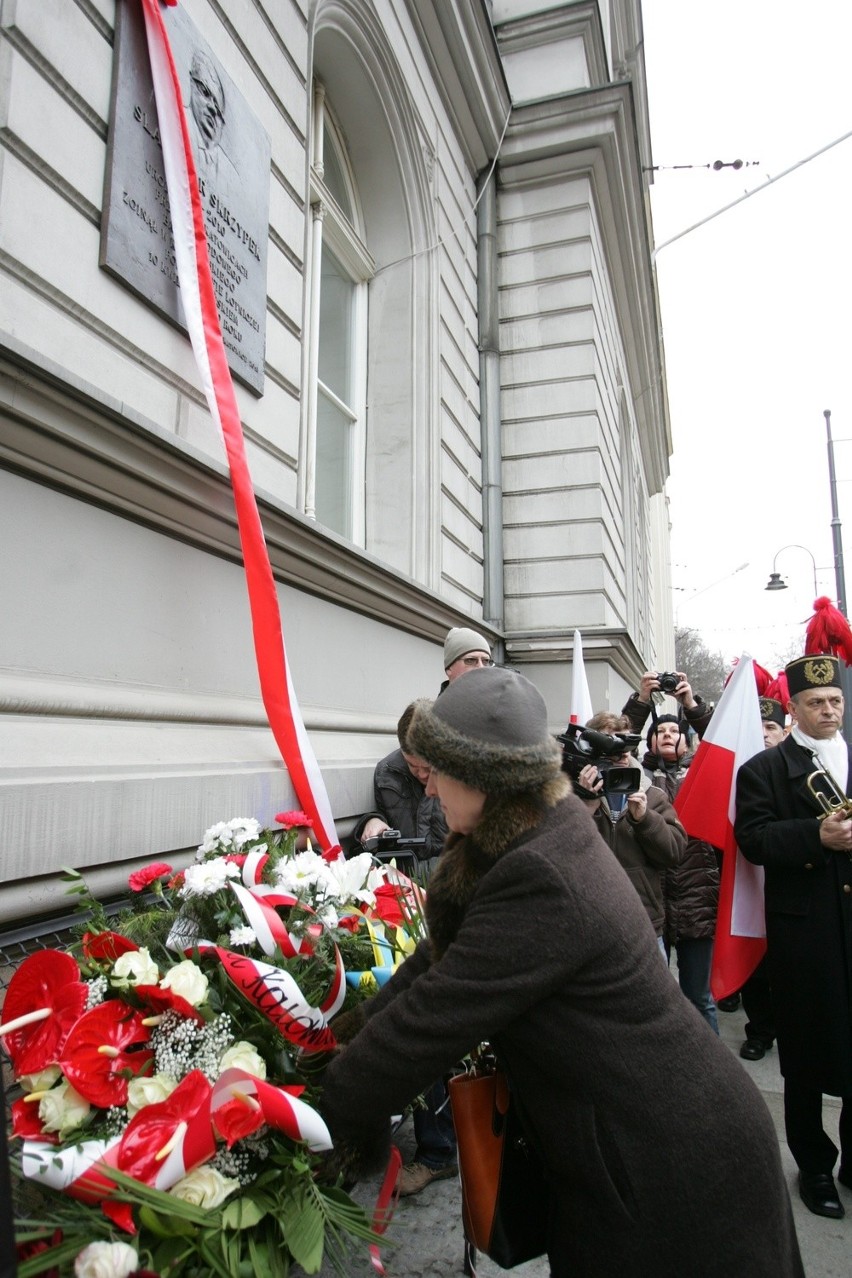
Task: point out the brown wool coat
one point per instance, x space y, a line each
662 1155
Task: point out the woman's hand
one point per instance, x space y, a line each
637 806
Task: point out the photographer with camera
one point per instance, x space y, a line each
634 818
691 889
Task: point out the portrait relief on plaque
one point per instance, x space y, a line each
232 158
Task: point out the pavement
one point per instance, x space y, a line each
425 1238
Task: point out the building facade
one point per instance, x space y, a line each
458 417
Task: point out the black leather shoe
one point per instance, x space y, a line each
752 1050
729 1004
844 1175
819 1194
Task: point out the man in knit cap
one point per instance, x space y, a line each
807 858
464 650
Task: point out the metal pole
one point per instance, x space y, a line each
840 582
836 537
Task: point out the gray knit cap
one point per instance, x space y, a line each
488 730
460 641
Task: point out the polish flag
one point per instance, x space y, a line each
705 804
581 701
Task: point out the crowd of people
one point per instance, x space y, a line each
555 907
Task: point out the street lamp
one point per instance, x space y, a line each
775 582
836 538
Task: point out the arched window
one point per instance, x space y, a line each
341 267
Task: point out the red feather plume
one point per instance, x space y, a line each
828 632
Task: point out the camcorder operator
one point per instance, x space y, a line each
585 747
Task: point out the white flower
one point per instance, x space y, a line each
244 830
306 871
351 877
187 980
208 877
62 1109
136 967
148 1091
42 1080
106 1260
243 1056
328 915
204 1187
226 836
242 936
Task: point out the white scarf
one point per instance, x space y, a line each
831 754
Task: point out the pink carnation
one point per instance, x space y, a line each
290 820
140 879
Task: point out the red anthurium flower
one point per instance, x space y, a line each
292 820
27 1125
106 946
120 1214
350 922
140 879
388 905
44 1000
150 1133
160 1000
238 1118
98 1050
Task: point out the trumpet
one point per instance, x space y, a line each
828 794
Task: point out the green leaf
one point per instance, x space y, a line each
242 1213
303 1224
165 1226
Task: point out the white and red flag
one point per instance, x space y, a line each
705 804
202 321
581 700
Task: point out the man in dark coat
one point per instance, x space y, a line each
650 1130
808 892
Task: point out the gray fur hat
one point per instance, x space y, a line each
488 730
460 641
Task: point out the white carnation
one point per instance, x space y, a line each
305 872
208 877
242 936
106 1260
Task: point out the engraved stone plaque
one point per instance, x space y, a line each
232 157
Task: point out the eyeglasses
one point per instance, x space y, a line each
472 662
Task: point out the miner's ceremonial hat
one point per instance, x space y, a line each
815 671
771 711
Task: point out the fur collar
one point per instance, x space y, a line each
467 857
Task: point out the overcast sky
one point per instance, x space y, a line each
755 305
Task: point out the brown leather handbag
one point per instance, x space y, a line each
505 1195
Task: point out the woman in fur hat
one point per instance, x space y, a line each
650 1130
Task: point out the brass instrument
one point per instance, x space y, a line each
828 794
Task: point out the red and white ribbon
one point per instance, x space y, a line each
75 1170
274 993
281 1109
202 319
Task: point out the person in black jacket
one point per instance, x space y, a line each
807 860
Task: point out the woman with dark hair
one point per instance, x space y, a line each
650 1131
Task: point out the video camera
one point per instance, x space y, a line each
582 746
391 846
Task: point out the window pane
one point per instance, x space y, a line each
333 175
334 467
335 348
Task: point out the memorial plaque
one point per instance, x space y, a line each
232 157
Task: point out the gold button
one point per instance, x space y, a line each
808 866
847 888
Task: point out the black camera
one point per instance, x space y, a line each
668 681
581 746
391 846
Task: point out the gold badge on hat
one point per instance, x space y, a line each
819 672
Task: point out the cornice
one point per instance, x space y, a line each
63 432
458 41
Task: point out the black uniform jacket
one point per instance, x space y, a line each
808 891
